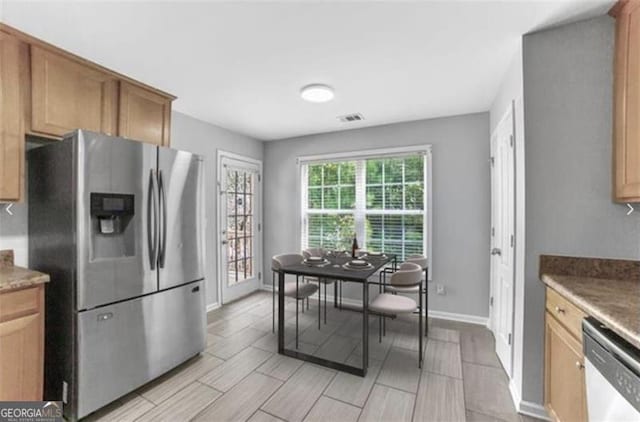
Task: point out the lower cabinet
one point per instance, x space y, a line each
564 389
22 344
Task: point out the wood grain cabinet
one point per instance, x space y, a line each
22 344
67 94
12 55
48 92
564 378
627 101
144 115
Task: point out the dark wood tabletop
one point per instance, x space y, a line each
334 269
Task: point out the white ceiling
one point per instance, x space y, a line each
240 65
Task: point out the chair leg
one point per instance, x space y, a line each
319 301
325 304
426 309
273 304
420 329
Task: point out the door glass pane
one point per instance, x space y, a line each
239 225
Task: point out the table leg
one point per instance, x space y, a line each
365 327
280 312
297 303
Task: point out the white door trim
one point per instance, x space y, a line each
221 154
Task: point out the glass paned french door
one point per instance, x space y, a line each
240 226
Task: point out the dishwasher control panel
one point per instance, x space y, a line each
617 361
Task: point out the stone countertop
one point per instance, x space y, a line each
608 290
12 277
615 303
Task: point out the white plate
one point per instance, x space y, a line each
315 259
358 263
357 267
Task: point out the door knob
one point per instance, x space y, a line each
496 251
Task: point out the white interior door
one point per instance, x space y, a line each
239 225
503 238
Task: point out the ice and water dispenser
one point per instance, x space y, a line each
113 235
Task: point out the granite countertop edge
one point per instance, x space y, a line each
15 278
598 312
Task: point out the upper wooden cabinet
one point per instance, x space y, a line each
12 62
627 102
144 115
68 95
48 92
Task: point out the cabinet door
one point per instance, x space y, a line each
627 103
564 392
21 358
144 115
68 94
12 54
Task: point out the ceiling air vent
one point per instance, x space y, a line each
349 118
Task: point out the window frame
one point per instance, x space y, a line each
381 153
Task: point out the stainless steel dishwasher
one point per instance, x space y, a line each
612 375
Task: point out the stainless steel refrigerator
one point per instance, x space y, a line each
118 225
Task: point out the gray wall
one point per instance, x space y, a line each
460 196
568 122
203 138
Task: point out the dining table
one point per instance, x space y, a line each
334 267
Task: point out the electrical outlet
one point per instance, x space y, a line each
440 289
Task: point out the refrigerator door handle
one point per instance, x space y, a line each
152 227
163 214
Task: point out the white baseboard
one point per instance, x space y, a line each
470 319
451 316
526 407
213 307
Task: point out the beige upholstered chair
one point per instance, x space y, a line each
422 261
293 286
408 276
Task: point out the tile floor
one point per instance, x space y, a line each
240 377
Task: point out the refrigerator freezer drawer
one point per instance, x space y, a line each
125 345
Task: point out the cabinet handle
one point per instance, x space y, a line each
579 365
559 310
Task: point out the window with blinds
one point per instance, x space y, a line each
380 199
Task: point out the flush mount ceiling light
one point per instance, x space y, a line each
317 93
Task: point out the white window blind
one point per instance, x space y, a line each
382 199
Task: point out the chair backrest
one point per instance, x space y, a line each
285 259
309 252
418 259
409 274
